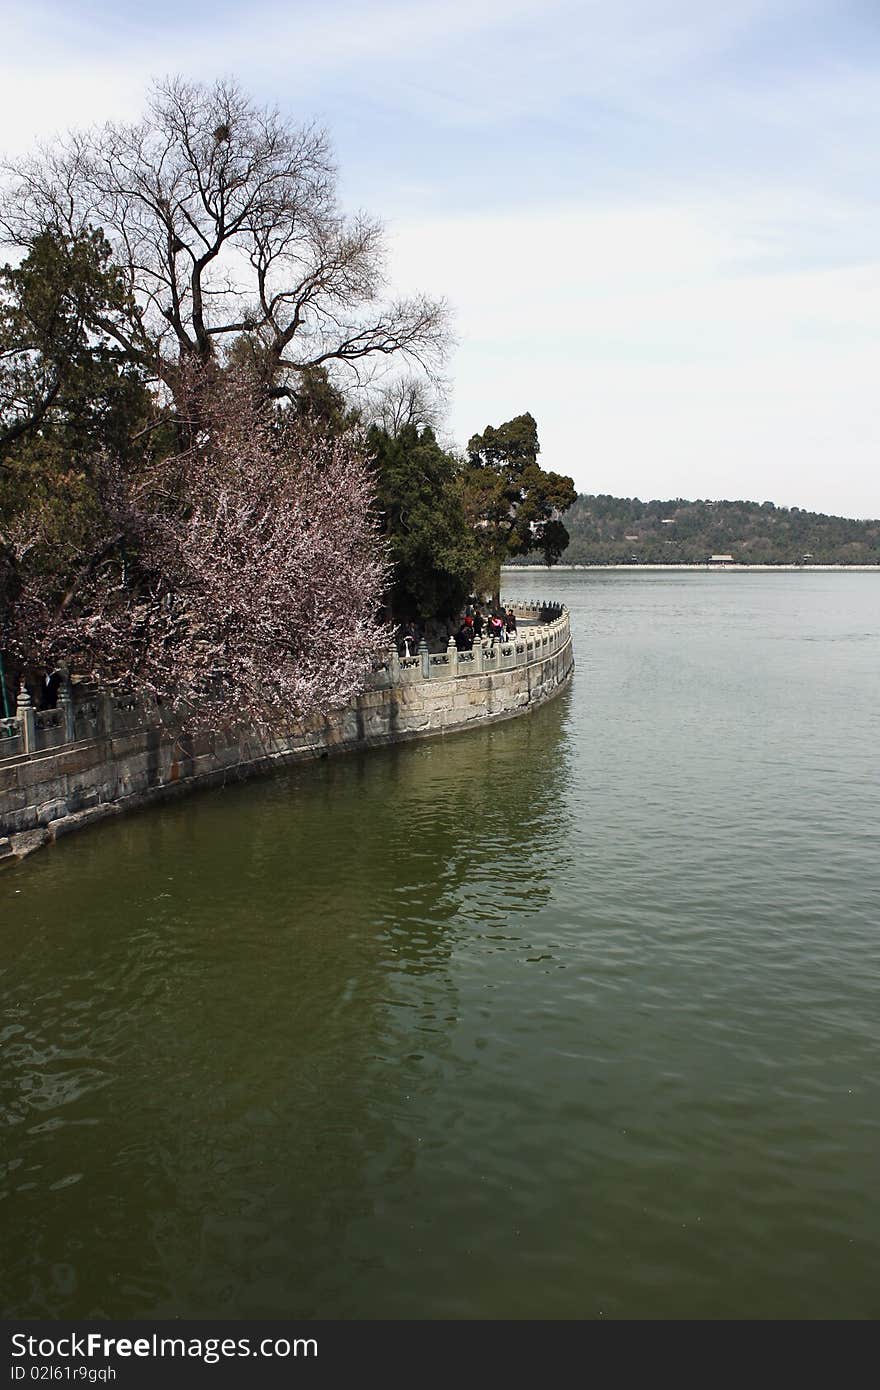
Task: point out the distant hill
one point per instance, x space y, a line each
623 530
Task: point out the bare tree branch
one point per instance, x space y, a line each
224 217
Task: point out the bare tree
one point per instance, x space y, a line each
409 400
224 217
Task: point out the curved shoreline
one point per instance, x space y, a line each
55 791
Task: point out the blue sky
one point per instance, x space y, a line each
658 221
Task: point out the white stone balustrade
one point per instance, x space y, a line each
122 757
94 715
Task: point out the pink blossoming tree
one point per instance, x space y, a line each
238 582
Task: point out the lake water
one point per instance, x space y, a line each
573 1017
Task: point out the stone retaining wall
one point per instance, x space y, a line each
52 792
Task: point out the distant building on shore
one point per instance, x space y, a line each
720 560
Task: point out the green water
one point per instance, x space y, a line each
574 1017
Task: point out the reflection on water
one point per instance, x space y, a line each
205 1004
571 1017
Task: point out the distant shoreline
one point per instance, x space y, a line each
766 569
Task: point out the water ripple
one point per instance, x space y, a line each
570 1017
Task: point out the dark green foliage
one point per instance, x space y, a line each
433 550
508 449
71 401
317 399
512 500
620 530
59 360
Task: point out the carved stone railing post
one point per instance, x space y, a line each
478 654
425 658
393 665
68 718
452 657
24 713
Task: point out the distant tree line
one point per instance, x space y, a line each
624 530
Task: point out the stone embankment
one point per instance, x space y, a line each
87 759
